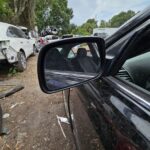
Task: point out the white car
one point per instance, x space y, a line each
51 38
33 35
15 46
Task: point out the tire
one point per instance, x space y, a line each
34 51
22 62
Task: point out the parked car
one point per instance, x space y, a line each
33 36
51 38
49 30
106 85
15 46
67 36
104 32
41 42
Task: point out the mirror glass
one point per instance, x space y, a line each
71 64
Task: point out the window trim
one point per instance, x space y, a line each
137 94
16 36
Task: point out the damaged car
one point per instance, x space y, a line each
15 46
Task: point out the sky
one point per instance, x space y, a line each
103 9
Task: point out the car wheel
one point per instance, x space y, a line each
22 62
34 51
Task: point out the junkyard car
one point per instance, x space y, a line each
51 38
15 46
33 36
112 80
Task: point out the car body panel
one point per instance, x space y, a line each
119 112
32 37
117 118
15 43
83 129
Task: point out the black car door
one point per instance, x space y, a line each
118 111
120 121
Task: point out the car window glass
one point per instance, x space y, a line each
14 32
19 33
10 32
74 50
136 70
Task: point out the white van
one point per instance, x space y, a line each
104 32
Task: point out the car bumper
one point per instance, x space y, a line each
2 57
8 54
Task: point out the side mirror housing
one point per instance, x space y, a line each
70 62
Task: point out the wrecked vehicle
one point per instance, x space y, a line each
15 47
33 36
106 81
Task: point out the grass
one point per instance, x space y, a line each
7 70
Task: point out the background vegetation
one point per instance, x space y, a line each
42 13
115 21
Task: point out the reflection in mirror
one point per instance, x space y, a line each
70 64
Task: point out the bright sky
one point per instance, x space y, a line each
103 9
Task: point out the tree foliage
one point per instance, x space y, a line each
86 28
37 12
5 11
18 12
72 28
24 11
60 15
118 19
104 24
41 7
115 21
122 17
53 13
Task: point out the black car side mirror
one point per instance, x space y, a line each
70 62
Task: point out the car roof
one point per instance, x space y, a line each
128 26
4 26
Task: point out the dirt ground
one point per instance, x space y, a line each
32 121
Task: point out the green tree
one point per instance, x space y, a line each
19 12
72 28
41 7
5 11
121 18
118 19
103 24
60 15
53 13
86 28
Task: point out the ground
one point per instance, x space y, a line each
32 121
